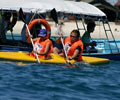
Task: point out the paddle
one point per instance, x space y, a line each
55 18
22 17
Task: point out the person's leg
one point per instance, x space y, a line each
55 50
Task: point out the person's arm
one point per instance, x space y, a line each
46 50
58 41
76 53
35 39
29 39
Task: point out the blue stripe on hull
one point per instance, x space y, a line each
108 56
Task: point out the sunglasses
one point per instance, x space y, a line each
73 36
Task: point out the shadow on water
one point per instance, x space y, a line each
80 65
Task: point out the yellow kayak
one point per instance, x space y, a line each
25 57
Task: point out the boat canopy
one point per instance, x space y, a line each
48 5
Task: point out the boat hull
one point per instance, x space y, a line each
114 56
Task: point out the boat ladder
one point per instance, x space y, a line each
107 30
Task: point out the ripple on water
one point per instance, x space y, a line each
53 82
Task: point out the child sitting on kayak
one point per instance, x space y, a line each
42 45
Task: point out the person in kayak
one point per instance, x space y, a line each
73 46
42 45
89 46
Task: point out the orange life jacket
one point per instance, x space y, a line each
70 48
40 47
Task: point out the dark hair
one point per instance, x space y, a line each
77 32
90 24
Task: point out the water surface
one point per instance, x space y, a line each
56 82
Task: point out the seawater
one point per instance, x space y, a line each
57 82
